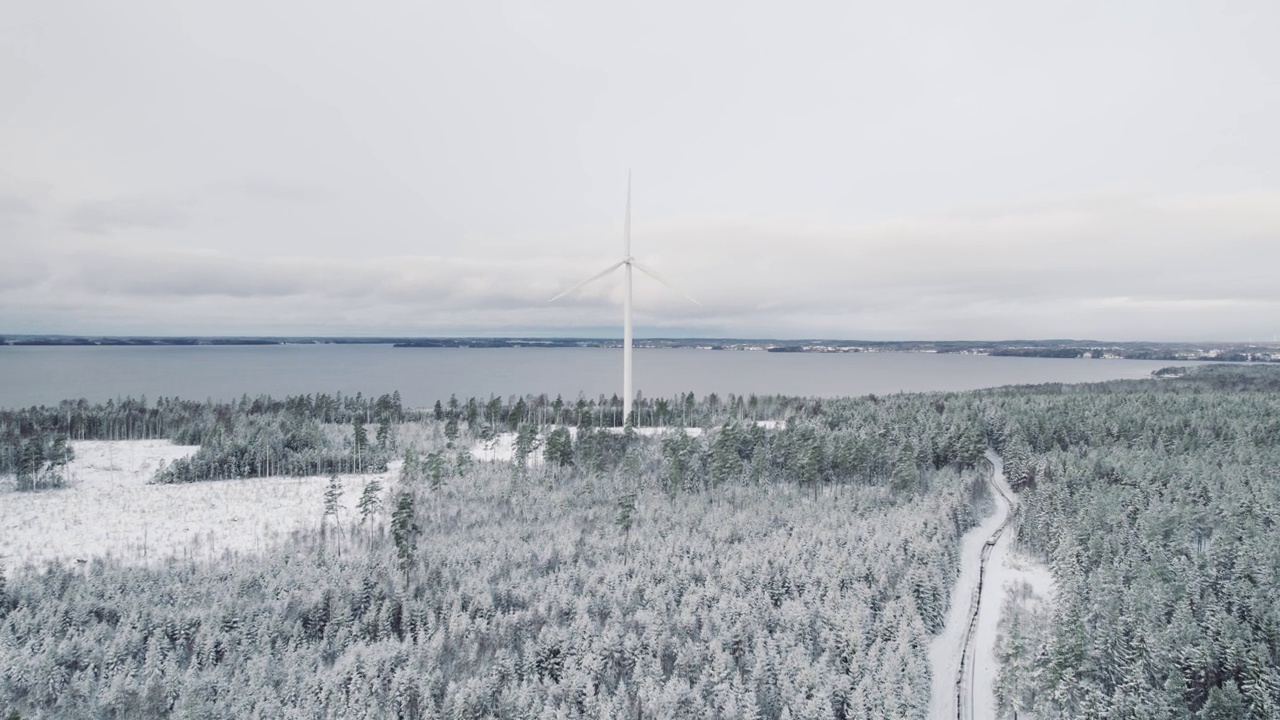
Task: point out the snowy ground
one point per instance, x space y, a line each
503 449
1000 570
110 510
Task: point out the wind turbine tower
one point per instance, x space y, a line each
627 263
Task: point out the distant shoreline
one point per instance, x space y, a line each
1138 350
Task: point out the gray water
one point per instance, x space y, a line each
47 375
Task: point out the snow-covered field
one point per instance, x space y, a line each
1005 570
108 509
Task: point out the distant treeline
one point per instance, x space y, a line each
320 433
1237 356
1080 348
1051 352
131 342
245 438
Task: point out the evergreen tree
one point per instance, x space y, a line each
436 470
361 439
411 469
906 473
384 432
726 465
462 462
626 513
405 530
526 441
451 430
333 498
370 500
559 447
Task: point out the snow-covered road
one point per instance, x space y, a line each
960 685
963 656
977 687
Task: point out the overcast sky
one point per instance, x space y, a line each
875 170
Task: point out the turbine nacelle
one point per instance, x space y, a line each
632 262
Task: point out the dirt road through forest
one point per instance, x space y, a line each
962 657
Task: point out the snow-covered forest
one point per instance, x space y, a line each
796 569
1157 507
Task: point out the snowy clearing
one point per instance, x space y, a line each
968 641
109 509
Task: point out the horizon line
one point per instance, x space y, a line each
378 338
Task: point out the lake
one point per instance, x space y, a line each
46 375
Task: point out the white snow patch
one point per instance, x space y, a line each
1023 569
501 448
109 509
663 430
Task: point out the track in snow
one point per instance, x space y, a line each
962 656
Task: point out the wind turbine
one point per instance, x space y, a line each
627 263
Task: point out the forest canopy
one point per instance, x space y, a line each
791 558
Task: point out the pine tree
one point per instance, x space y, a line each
726 465
626 513
31 463
405 531
906 474
436 470
333 498
526 440
360 441
384 432
332 503
370 500
559 447
411 468
451 430
519 414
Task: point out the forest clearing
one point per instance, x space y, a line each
110 509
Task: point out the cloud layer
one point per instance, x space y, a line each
1114 266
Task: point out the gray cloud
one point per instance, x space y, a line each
274 189
106 216
1190 266
14 205
19 272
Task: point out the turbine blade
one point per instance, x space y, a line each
626 232
590 280
670 285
